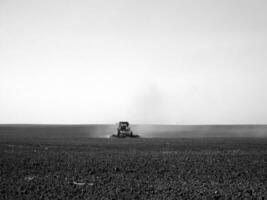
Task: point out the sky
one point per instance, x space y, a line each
145 61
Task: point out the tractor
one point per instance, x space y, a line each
124 130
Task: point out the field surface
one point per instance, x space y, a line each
87 168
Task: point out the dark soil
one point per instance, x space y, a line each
133 169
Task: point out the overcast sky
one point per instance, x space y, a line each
146 61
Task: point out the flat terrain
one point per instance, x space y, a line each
87 168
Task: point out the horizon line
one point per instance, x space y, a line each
144 124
